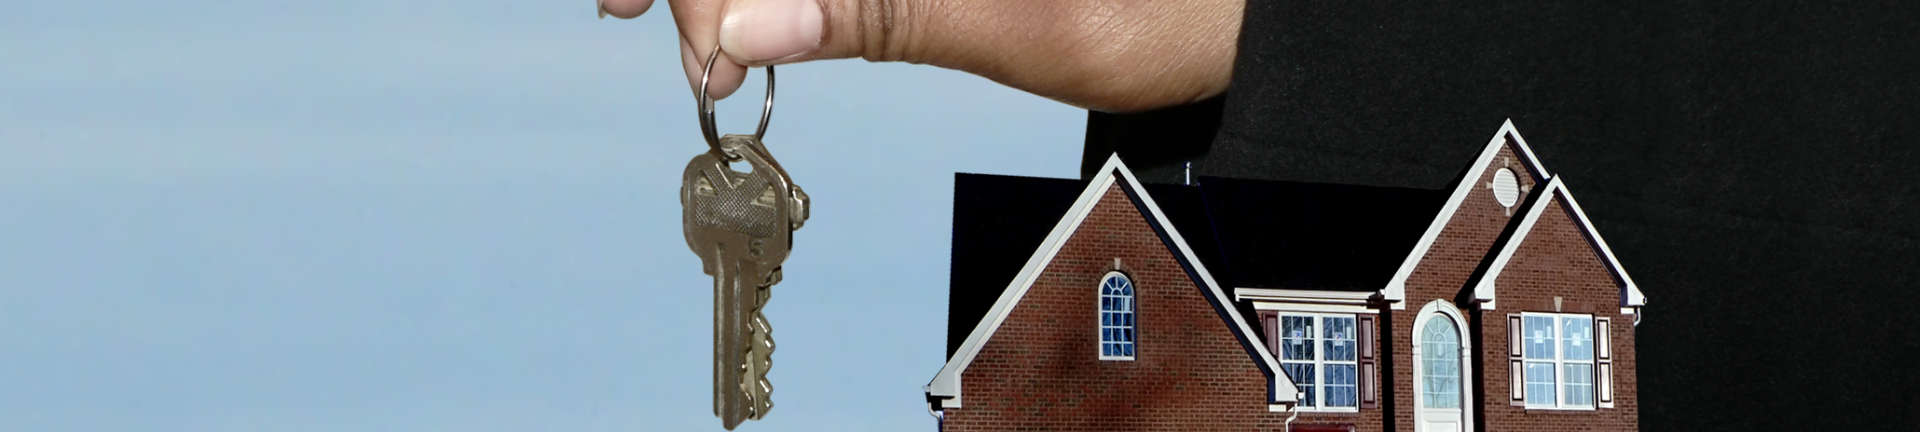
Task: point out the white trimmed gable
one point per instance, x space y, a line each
1485 291
1395 291
945 386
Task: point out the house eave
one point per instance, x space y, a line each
945 386
1486 289
1395 291
1302 296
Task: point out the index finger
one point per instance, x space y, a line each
699 23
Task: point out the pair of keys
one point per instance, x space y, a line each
741 225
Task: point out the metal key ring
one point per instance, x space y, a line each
707 125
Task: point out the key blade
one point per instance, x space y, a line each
722 328
732 297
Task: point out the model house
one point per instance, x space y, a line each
1235 305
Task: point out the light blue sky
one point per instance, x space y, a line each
450 215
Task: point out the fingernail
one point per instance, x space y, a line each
764 30
603 8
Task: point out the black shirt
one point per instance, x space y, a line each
1752 165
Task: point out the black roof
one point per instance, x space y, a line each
998 221
1249 233
1312 236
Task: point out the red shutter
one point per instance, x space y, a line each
1516 364
1603 336
1368 392
1271 322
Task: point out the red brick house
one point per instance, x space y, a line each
1234 305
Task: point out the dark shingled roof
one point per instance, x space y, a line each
1249 233
998 221
1311 236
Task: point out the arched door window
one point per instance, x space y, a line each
1116 317
1440 359
1441 372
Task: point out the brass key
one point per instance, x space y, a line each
741 225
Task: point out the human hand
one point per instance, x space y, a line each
1109 55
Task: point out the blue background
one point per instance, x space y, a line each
451 215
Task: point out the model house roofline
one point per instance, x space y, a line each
1485 289
945 387
1396 290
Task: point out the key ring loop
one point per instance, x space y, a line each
707 125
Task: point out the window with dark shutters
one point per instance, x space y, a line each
1332 358
1369 388
1560 361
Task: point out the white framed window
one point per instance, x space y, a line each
1558 360
1116 317
1317 352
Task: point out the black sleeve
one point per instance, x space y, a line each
1398 94
1754 166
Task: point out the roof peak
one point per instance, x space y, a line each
945 386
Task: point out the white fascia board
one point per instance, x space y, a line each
1520 142
1313 307
1484 291
946 384
1302 296
1630 295
1280 387
1396 290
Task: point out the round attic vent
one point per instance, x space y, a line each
1506 187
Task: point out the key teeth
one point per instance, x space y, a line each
763 405
758 388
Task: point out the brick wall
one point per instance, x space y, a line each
1041 370
1556 260
1442 274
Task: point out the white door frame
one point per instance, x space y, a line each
1444 308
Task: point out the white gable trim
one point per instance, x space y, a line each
1396 290
946 384
1302 296
1485 290
1314 307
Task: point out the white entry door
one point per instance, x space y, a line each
1437 377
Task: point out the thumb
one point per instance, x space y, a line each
764 32
1116 55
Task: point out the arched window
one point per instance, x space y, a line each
1441 362
1116 317
1442 386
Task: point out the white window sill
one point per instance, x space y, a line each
1553 408
1319 410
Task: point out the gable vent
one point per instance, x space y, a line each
1506 188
